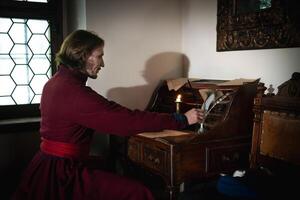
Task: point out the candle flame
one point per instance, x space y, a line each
178 99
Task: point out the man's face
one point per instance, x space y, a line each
94 63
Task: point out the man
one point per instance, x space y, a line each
70 112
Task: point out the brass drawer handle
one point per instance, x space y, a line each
150 157
156 161
225 158
234 157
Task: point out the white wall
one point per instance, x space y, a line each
152 40
147 40
273 66
142 46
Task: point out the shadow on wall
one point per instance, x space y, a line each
162 66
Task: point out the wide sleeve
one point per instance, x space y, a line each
94 111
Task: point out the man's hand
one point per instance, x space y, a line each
194 115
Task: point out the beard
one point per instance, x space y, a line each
92 72
93 76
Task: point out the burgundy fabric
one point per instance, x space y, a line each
64 150
53 178
70 112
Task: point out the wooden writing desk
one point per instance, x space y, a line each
180 156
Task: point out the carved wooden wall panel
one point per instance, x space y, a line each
275 27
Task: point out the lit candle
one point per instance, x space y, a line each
178 101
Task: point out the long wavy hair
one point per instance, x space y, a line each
76 48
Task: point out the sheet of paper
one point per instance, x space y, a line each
239 81
164 133
204 93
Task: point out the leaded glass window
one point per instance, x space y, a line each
25 57
30 34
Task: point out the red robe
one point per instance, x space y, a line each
70 112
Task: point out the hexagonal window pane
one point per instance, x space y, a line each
37 26
19 33
6 101
36 99
48 53
48 34
6 85
49 72
19 20
21 54
39 64
23 94
39 44
41 1
22 74
6 64
5 24
6 43
38 83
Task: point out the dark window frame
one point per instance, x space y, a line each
51 11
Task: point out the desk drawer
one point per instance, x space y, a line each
149 156
227 158
155 158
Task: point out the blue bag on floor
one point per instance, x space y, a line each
235 187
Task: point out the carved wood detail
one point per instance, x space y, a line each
274 27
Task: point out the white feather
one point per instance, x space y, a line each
210 99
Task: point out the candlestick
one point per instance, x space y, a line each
178 101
